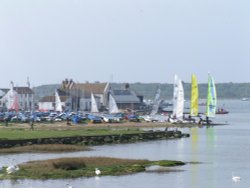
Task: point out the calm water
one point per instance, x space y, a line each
221 151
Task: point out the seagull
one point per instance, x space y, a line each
12 168
69 186
97 171
235 178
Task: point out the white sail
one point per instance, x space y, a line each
58 103
175 94
178 99
94 107
112 105
156 101
106 94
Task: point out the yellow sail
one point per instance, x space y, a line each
194 97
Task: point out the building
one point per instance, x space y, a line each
48 103
126 98
17 98
80 94
25 98
78 97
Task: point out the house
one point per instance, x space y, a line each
48 103
17 98
126 98
80 94
25 98
78 97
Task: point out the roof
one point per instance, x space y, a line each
52 99
19 90
23 90
88 88
3 92
64 98
61 92
125 96
48 99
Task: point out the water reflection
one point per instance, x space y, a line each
194 147
210 144
210 134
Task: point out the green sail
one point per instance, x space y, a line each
211 97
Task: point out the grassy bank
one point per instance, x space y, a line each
15 133
82 167
23 131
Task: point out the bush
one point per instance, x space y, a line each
68 165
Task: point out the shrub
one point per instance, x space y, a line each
66 164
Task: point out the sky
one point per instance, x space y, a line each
131 41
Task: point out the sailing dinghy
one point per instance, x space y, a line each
178 101
211 104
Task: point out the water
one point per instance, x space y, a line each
220 150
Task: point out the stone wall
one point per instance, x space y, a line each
97 140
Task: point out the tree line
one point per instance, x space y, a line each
224 90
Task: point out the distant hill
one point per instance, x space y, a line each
45 90
224 90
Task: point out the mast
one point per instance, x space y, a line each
156 101
28 94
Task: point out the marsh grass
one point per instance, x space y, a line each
78 167
44 148
167 163
64 164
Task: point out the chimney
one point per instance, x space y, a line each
127 86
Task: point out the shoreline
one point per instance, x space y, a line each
63 125
70 168
107 137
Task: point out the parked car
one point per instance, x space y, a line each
133 118
94 118
109 118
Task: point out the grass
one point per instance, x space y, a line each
44 148
14 133
79 167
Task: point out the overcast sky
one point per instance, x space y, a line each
123 40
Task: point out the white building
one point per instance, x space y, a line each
25 98
48 103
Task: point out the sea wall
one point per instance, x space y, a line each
97 140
